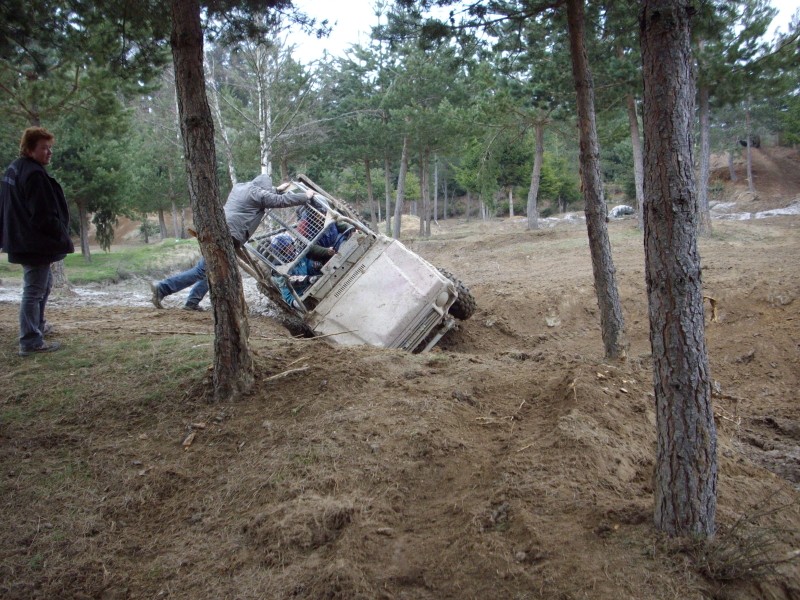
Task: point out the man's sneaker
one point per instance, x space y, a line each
196 307
45 347
47 329
157 296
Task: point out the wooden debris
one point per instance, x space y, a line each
713 303
286 373
188 440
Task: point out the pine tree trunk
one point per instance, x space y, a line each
162 224
233 366
176 226
426 194
750 183
401 189
638 164
387 187
732 167
611 321
436 189
686 462
83 225
370 195
422 196
145 228
536 177
703 210
446 197
59 275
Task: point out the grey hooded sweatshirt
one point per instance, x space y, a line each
247 202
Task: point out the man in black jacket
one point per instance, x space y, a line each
34 231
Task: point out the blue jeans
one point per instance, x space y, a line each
36 285
196 277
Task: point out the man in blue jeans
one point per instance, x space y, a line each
195 277
34 231
244 210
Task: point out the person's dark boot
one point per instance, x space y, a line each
157 296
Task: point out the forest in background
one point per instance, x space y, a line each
475 111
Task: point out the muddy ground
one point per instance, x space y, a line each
513 461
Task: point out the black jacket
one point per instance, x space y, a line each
34 217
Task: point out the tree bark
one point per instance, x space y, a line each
424 180
162 224
750 183
370 195
387 187
223 131
145 233
436 189
445 208
611 321
284 165
83 226
233 366
401 189
422 212
732 167
686 462
638 164
703 210
59 275
265 137
176 227
536 177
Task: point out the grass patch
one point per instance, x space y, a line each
122 263
752 549
94 373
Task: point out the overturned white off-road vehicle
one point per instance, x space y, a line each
373 290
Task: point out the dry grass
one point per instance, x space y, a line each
513 462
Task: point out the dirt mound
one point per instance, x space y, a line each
512 462
776 178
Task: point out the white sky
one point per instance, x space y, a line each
352 20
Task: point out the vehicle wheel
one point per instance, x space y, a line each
293 323
464 306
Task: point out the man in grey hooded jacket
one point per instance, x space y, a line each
244 210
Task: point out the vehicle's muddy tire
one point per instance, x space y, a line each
464 306
296 326
293 323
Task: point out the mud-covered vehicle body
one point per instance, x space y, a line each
373 290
